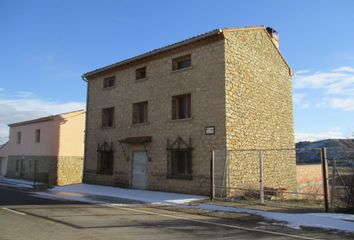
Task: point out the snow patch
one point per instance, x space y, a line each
100 195
343 222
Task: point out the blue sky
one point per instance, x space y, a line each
45 47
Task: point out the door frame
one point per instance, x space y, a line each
146 170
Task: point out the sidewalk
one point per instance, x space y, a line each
95 193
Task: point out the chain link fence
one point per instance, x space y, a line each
303 178
341 180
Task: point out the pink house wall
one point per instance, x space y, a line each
49 139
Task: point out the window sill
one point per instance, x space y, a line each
139 124
107 128
182 69
108 88
141 80
182 119
185 177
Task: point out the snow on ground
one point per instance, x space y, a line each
343 222
153 197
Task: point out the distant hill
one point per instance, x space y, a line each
339 149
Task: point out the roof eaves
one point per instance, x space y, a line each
44 119
3 145
155 51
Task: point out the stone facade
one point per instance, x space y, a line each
238 83
69 169
259 112
203 80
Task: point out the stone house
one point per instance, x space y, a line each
152 120
49 149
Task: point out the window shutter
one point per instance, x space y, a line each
174 108
145 112
189 107
111 117
135 113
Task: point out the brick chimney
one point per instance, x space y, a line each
273 35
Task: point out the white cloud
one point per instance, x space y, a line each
331 134
335 89
23 106
344 69
337 81
344 104
303 71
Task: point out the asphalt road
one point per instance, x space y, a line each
27 217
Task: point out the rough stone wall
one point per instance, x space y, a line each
259 111
69 170
204 80
45 168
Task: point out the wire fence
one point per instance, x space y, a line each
303 178
341 182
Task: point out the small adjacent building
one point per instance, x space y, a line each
152 120
49 149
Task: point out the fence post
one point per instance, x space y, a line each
212 190
324 176
261 182
225 175
333 183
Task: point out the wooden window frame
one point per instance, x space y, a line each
140 112
176 106
179 62
105 115
107 82
138 72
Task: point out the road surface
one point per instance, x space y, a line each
23 216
